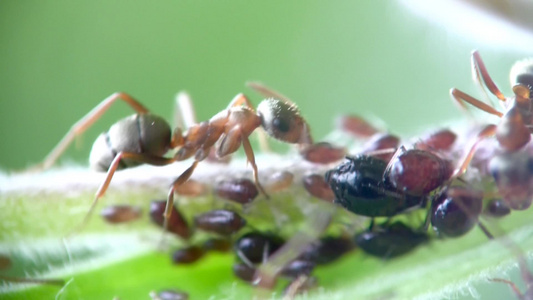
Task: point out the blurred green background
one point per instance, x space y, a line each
59 59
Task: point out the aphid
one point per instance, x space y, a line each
359 187
328 249
145 138
252 246
244 271
297 268
323 153
441 140
242 191
169 295
318 187
417 172
176 223
513 174
217 244
356 126
514 130
115 214
390 240
187 255
497 208
279 181
221 221
380 142
191 188
455 210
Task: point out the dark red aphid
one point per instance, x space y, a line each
380 142
116 214
187 255
323 153
221 221
242 191
441 140
176 222
318 187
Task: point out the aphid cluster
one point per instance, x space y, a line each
384 179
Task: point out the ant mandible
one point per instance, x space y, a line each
144 137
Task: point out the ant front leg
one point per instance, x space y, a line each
459 97
488 131
480 71
152 160
84 123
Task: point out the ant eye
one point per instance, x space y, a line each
281 125
522 73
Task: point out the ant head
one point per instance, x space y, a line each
522 74
282 121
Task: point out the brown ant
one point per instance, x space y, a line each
144 138
516 123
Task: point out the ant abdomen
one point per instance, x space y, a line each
513 174
139 133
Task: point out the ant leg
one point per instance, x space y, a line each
459 96
83 124
251 159
480 71
152 160
486 132
184 115
267 91
239 100
170 197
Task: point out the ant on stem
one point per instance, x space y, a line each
145 137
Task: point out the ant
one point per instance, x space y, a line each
145 137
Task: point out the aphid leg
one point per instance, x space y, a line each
170 198
267 91
251 159
83 124
152 160
486 132
459 97
480 71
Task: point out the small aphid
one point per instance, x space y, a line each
497 208
252 246
176 223
192 188
327 250
115 214
217 244
441 140
456 210
169 295
187 255
221 221
417 172
359 187
279 181
513 173
356 126
390 241
380 142
318 187
323 153
242 191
